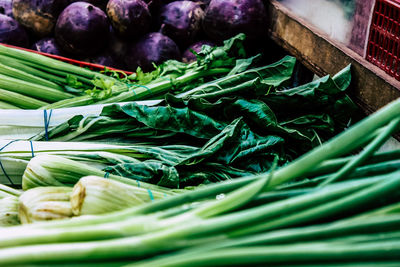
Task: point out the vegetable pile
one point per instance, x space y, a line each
155 30
33 81
322 208
217 162
208 130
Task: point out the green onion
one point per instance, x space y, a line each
368 151
320 253
332 165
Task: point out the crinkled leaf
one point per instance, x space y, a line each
252 82
182 120
72 81
150 171
216 56
224 129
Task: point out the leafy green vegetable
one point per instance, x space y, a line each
241 122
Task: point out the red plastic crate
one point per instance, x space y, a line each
383 47
95 67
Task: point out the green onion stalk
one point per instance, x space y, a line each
318 253
19 100
378 157
175 235
22 75
35 90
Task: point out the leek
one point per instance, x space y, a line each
96 195
45 203
6 191
9 211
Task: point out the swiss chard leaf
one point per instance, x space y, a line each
230 127
150 171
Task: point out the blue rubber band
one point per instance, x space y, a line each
169 80
9 143
4 171
46 123
166 79
106 175
138 183
1 164
150 194
33 154
138 85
